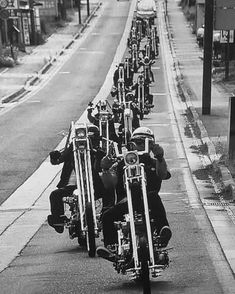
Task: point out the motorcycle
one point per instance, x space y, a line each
82 221
121 85
134 57
138 253
141 95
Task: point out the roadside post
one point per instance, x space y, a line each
4 15
207 57
88 8
79 11
231 129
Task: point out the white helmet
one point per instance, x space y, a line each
142 133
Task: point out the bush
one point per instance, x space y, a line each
6 61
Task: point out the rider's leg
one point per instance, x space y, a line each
109 217
158 213
57 205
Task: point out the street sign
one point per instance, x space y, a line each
224 15
4 14
224 36
3 3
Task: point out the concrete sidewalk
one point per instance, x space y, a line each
15 82
210 130
188 59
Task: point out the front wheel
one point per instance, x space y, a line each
144 257
90 230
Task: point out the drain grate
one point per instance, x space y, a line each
216 203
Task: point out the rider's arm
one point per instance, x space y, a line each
161 169
66 154
90 117
161 166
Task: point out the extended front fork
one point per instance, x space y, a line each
128 182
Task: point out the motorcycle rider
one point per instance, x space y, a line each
147 63
94 119
148 97
67 183
156 170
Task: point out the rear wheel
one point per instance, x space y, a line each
144 257
90 230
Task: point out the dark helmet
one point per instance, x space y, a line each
146 59
129 96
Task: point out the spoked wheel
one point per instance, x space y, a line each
90 230
143 256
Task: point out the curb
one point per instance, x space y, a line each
225 175
22 91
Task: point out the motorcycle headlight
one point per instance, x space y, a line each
131 158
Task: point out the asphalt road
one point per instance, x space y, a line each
51 263
34 128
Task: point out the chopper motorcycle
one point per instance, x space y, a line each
138 251
82 220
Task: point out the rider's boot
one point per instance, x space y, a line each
164 236
107 253
57 222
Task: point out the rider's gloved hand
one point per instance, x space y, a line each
157 151
89 109
54 157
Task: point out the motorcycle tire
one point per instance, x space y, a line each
90 230
128 136
144 257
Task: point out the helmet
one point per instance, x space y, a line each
146 59
129 96
142 133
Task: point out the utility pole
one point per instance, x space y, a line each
0 38
88 8
32 21
207 57
227 57
79 11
